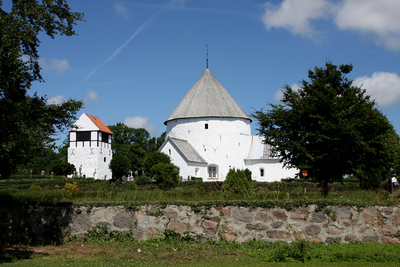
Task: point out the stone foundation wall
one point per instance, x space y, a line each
343 224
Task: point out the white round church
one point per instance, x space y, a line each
208 133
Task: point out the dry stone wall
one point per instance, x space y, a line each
343 224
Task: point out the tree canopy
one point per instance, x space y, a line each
27 123
329 128
137 146
125 136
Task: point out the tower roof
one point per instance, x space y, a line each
88 122
207 98
102 127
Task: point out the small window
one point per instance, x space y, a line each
206 126
261 172
212 171
169 151
104 137
104 159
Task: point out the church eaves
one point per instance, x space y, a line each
207 99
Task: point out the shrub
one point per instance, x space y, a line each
71 189
143 180
196 179
166 175
63 168
237 182
370 179
133 186
35 187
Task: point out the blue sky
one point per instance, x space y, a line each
133 61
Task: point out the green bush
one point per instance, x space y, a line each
196 179
143 180
370 179
166 175
63 168
133 186
237 182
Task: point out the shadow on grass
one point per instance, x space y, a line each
12 254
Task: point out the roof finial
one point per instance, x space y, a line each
207 55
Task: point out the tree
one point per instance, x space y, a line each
329 128
45 159
155 143
125 136
154 158
119 166
136 155
27 123
166 175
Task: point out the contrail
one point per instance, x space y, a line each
119 49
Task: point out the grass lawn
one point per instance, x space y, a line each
178 252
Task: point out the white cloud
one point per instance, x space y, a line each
379 18
384 87
56 100
295 15
140 122
92 96
59 66
279 94
121 10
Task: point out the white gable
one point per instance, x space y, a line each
84 123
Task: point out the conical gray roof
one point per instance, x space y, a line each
207 98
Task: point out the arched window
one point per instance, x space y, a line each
261 172
212 171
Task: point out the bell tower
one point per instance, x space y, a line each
90 148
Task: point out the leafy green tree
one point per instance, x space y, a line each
62 155
155 143
119 166
45 159
329 128
166 175
64 168
154 158
125 136
27 123
136 155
